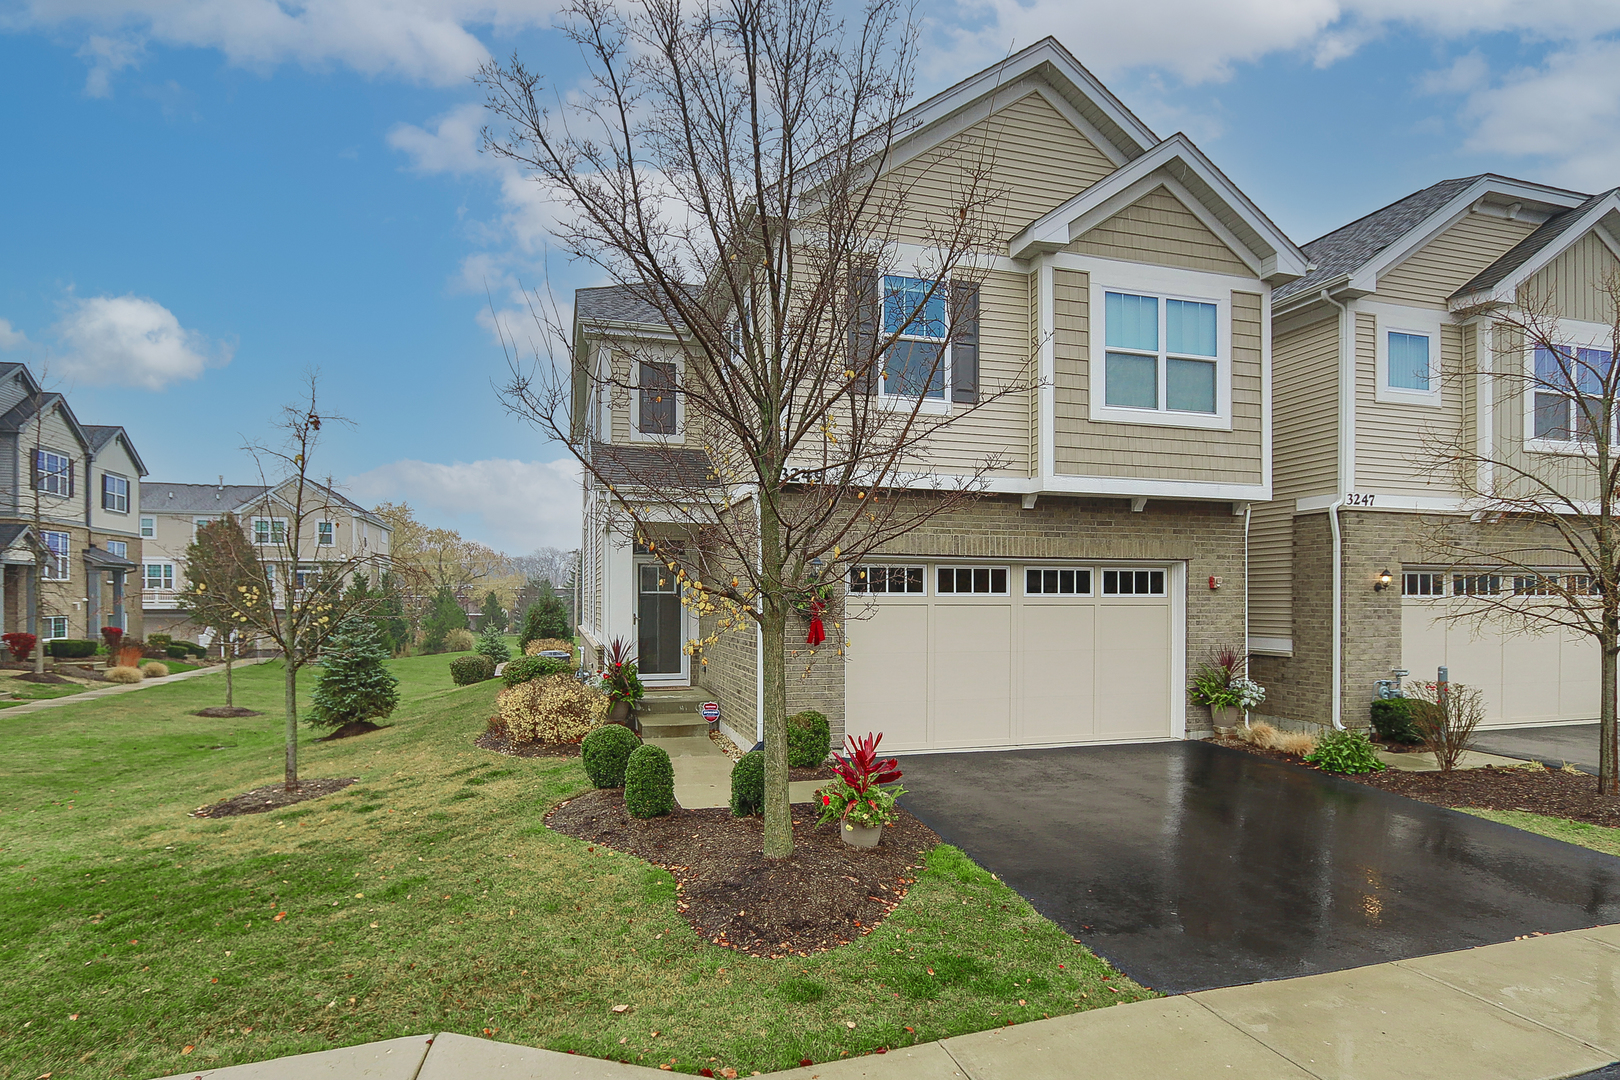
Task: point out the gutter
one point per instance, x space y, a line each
1346 352
1248 512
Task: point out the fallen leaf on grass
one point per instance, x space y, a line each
621 1008
279 917
849 1023
729 1073
73 1016
187 1049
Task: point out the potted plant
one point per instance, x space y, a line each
620 681
857 799
1222 685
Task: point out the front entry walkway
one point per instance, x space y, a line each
1536 1009
703 773
1193 866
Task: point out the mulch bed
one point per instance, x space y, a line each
1551 792
821 898
92 674
351 729
497 741
820 772
49 677
274 797
226 710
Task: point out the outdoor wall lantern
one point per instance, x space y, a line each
1384 579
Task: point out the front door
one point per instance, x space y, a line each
658 621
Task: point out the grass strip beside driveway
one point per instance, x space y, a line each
136 941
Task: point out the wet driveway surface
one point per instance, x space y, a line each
1574 743
1192 866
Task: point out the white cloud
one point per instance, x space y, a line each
131 341
11 338
1566 111
513 506
107 56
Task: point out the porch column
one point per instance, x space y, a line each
118 600
3 570
92 594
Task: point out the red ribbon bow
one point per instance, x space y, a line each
818 633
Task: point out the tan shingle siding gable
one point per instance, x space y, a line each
1446 263
1158 228
1572 284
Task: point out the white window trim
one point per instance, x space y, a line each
146 578
330 533
1105 569
1420 322
142 527
63 477
924 567
254 526
1584 335
1003 567
941 405
1165 284
1089 569
51 620
121 554
129 490
636 434
51 557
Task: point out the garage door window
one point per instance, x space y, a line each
1421 584
983 580
1042 582
1476 585
1133 582
872 578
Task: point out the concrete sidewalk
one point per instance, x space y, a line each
117 688
703 773
1542 1008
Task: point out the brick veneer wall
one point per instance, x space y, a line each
1298 688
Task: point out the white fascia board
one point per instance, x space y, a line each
1113 487
1406 504
1365 276
1507 290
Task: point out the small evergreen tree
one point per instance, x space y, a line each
391 619
443 616
354 685
494 616
492 644
531 626
553 620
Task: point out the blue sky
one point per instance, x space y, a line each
201 199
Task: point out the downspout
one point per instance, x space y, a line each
1346 338
1248 511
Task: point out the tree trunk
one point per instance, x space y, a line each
230 654
1608 751
39 649
778 840
292 723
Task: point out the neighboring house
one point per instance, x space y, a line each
170 516
1108 555
70 496
1374 368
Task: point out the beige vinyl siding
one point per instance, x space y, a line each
1032 283
1159 229
1398 445
114 459
1305 434
997 428
1446 263
625 363
1571 286
51 433
1087 448
1570 474
1026 155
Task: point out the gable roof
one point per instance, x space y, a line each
100 435
163 498
1551 237
1386 232
13 532
1246 228
13 420
615 304
652 466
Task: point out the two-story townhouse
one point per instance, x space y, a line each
1389 353
341 531
1066 605
69 504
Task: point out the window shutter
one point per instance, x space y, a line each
71 463
39 467
866 313
965 343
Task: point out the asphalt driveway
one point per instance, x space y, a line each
1192 866
1574 743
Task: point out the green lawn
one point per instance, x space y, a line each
1596 837
16 692
427 897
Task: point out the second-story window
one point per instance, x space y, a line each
269 530
325 534
915 310
148 527
114 493
159 577
1568 387
1161 354
53 472
657 398
56 563
119 548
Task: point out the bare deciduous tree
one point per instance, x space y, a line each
1540 549
729 166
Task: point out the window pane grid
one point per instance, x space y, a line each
871 578
1133 582
982 580
1181 377
1041 581
1423 584
1476 585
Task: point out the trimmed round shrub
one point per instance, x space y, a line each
605 753
748 784
649 782
556 709
525 668
70 648
459 641
809 736
124 674
154 670
540 645
466 670
1392 720
1345 752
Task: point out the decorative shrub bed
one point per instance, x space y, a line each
605 753
526 668
809 737
649 782
70 648
1392 720
555 709
466 670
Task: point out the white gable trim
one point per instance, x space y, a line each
1506 291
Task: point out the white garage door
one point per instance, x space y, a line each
948 656
1527 678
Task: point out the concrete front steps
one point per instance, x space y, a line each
673 714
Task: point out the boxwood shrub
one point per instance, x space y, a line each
525 668
809 736
649 782
71 648
466 670
1392 720
748 784
606 752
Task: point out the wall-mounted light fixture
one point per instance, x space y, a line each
1383 582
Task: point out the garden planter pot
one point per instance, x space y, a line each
861 836
620 712
1224 716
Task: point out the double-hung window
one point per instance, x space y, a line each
159 577
1568 385
269 530
1163 359
655 405
55 627
119 548
115 493
56 562
916 364
325 534
53 472
148 527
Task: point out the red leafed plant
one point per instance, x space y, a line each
858 795
20 644
862 769
112 635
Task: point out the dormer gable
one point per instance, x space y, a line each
1564 261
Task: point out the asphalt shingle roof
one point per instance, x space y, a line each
1526 249
160 498
615 303
101 434
653 466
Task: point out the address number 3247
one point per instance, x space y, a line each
1358 498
